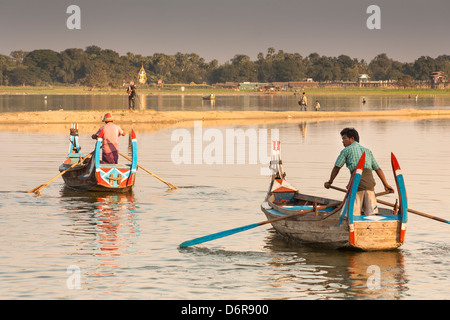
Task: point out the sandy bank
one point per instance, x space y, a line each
172 117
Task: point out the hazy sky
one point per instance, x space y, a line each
220 29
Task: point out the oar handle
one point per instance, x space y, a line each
392 205
417 212
376 194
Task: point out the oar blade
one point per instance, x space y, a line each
217 235
38 189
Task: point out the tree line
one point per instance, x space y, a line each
97 67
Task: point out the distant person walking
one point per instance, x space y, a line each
317 107
303 102
131 90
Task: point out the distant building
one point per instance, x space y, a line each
363 78
438 80
438 77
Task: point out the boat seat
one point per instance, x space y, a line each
74 157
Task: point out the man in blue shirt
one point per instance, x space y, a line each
365 197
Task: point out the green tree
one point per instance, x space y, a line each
73 66
96 75
22 76
18 56
45 63
443 64
423 67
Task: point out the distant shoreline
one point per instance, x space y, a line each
193 90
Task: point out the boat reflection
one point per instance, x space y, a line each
108 220
306 272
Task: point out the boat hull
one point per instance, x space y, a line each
310 229
84 178
328 229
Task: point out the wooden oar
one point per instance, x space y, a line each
250 226
376 194
409 210
171 186
38 189
417 212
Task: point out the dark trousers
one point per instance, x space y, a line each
131 102
110 158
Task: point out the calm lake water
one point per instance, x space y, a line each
126 246
15 103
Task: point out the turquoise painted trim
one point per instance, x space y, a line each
297 208
403 198
75 157
217 235
134 159
351 201
74 140
306 208
71 144
344 211
275 212
74 144
97 154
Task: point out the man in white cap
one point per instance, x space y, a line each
110 146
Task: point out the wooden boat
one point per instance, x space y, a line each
333 224
91 174
210 97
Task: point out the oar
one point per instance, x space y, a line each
171 186
250 226
416 212
377 194
409 210
38 189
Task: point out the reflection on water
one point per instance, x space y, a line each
108 220
19 103
306 272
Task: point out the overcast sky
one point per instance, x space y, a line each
219 29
